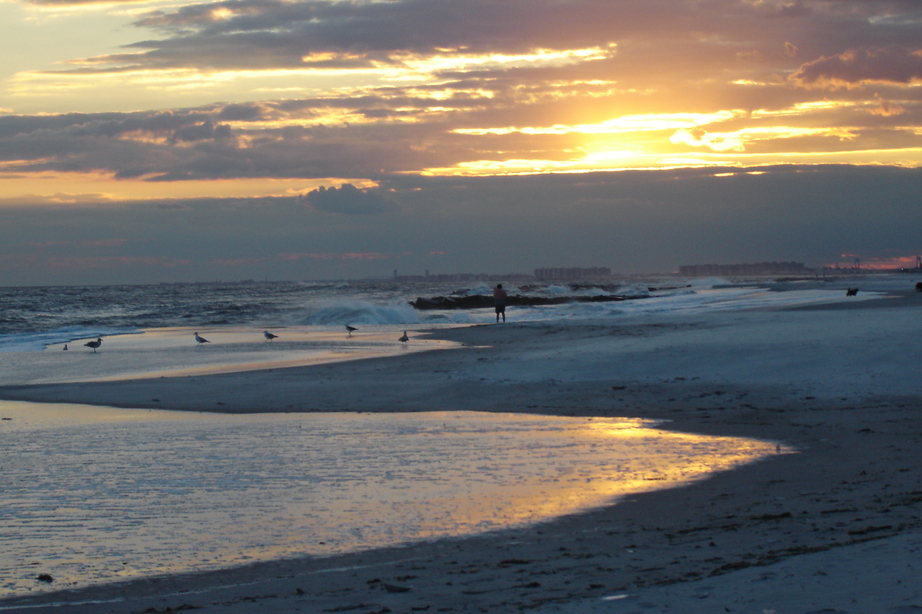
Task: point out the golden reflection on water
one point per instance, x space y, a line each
129 493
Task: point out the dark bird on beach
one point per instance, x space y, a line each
269 336
65 346
404 338
94 344
200 340
349 329
851 292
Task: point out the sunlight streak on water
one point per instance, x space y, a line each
93 494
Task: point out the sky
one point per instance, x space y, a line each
149 141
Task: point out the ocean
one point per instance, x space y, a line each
32 318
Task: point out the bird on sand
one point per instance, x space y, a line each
404 338
200 340
269 336
349 329
65 346
94 344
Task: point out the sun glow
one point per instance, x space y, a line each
629 123
540 57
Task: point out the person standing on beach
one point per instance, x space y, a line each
499 300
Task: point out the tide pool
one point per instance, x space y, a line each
93 494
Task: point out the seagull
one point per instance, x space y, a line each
269 336
350 329
404 338
94 344
200 340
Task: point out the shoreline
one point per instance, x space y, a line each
850 496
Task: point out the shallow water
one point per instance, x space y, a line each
92 494
172 352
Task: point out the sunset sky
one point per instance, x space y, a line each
146 141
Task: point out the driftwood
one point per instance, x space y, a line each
481 301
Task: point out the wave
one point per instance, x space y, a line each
34 318
38 341
483 289
361 312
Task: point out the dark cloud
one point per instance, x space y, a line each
350 200
855 67
162 123
204 131
192 144
238 34
632 222
240 112
794 9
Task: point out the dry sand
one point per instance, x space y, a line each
834 528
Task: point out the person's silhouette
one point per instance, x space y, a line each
499 301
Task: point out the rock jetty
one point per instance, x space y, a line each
482 301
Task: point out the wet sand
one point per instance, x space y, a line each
835 527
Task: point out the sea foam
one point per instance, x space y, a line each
361 312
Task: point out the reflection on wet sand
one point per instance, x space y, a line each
135 492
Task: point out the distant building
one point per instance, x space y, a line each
462 277
758 268
573 273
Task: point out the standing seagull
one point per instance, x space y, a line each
200 340
269 336
349 329
94 344
404 338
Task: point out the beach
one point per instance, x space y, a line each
834 527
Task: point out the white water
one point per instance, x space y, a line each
371 306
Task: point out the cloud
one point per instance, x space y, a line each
277 141
885 108
204 131
163 124
104 242
477 87
350 200
367 256
634 221
855 68
84 263
57 199
70 3
794 9
425 36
